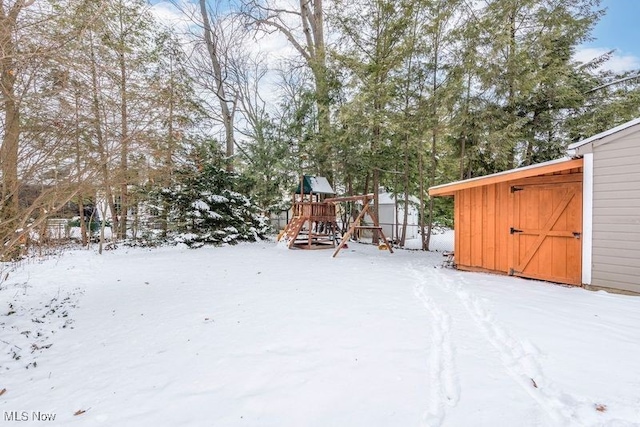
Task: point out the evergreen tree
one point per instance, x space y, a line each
205 206
528 75
374 48
611 99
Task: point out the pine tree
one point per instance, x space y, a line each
205 206
529 76
374 39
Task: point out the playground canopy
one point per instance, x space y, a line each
315 185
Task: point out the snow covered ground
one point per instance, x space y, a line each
257 335
441 241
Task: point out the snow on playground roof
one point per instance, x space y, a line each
315 184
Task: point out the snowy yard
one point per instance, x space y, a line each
257 335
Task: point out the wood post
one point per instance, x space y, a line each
355 225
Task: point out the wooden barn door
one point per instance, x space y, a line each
547 231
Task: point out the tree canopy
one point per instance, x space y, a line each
104 104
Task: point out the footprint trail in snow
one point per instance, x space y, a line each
445 389
519 358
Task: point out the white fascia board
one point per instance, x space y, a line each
604 134
587 218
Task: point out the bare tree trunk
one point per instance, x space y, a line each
367 181
100 140
167 176
511 152
375 147
11 134
103 223
434 157
313 50
435 124
432 178
124 135
375 238
9 156
395 227
424 243
227 113
313 24
405 216
463 141
83 225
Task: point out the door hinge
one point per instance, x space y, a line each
577 234
514 188
514 230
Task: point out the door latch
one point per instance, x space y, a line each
514 230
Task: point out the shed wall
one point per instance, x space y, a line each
482 218
616 214
485 214
392 225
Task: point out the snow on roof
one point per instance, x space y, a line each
319 184
389 199
316 184
604 134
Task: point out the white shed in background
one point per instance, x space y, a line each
391 219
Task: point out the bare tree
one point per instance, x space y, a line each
304 29
216 37
115 62
228 100
34 46
9 14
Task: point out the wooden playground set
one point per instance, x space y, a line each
314 224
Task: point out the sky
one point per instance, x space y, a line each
618 30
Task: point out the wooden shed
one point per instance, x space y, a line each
524 222
611 219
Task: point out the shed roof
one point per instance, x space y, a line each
316 185
604 134
390 199
510 175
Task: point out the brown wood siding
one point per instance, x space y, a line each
616 214
480 214
483 216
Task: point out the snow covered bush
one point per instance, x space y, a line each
204 206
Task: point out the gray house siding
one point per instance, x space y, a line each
616 213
